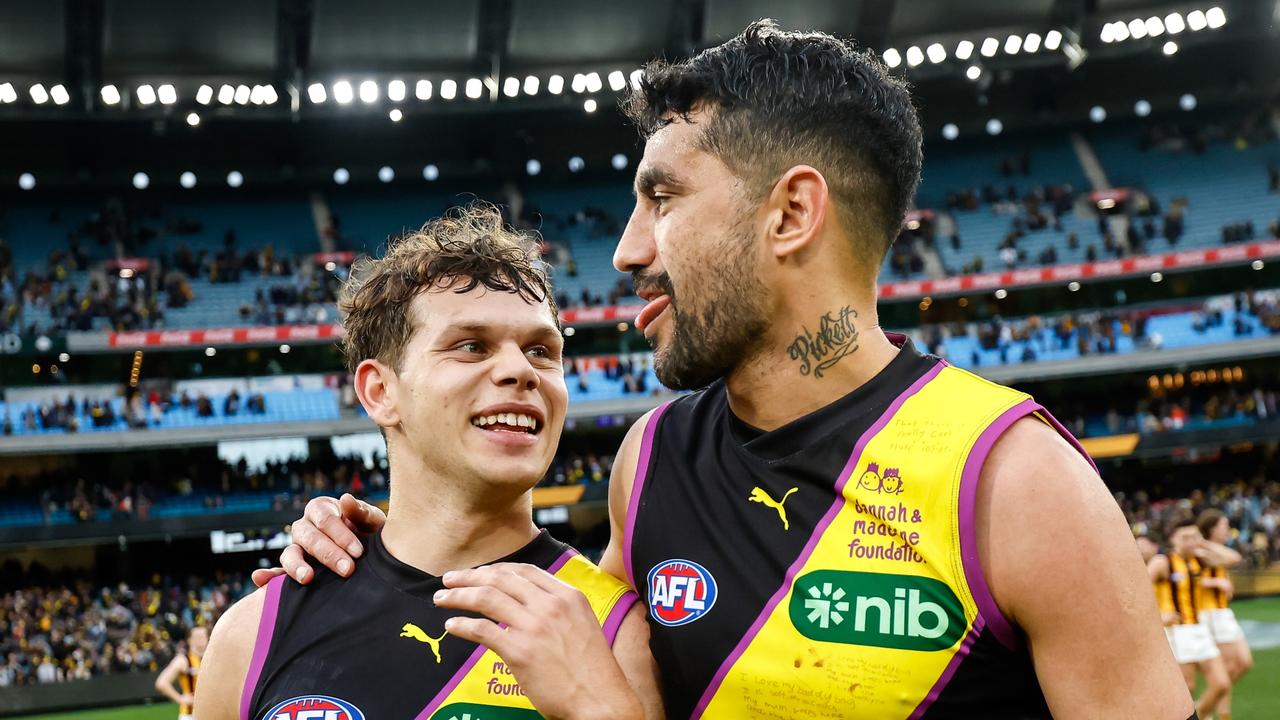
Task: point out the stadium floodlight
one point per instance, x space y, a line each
422 90
1002 294
396 115
317 93
1052 40
146 94
7 93
343 93
269 95
204 95
1157 277
256 95
141 181
39 95
1257 265
555 84
1107 33
26 181
973 72
60 95
193 119
64 357
1031 43
994 126
1215 17
511 87
1196 20
431 173
1187 102
533 167
990 47
396 91
915 56
448 89
1170 48
1155 26
475 88
168 94
1142 108
386 174
1137 28
243 94
618 161
617 81
950 131
210 352
1174 24
579 83
892 58
187 180
594 83
284 349
368 91
589 105
576 163
341 176
636 76
1012 44
1097 113
936 53
235 179
226 94
964 49
1073 286
531 85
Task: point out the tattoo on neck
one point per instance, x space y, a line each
836 338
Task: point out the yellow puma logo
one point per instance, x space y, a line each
760 496
413 631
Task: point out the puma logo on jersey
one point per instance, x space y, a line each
762 497
413 631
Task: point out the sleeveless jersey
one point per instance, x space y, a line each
829 568
187 681
373 646
1214 598
1164 595
1188 595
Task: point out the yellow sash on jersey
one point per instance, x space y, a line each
485 688
878 610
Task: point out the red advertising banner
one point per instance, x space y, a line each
224 336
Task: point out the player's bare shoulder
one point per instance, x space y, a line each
225 662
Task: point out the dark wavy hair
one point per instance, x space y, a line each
469 247
782 99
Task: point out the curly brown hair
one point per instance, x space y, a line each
470 246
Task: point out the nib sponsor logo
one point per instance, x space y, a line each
906 612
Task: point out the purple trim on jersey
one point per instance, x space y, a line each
987 608
818 532
476 654
449 687
936 691
619 611
1066 435
637 485
262 643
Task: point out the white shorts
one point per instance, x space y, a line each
186 717
1192 643
1222 625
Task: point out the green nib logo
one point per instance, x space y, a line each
475 711
881 610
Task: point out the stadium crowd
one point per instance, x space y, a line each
55 629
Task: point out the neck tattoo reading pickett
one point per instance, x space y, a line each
836 338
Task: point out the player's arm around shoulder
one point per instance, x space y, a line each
227 659
621 478
1062 566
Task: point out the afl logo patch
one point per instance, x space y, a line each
680 592
314 707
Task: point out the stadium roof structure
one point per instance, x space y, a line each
303 78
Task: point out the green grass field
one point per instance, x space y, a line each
1257 695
